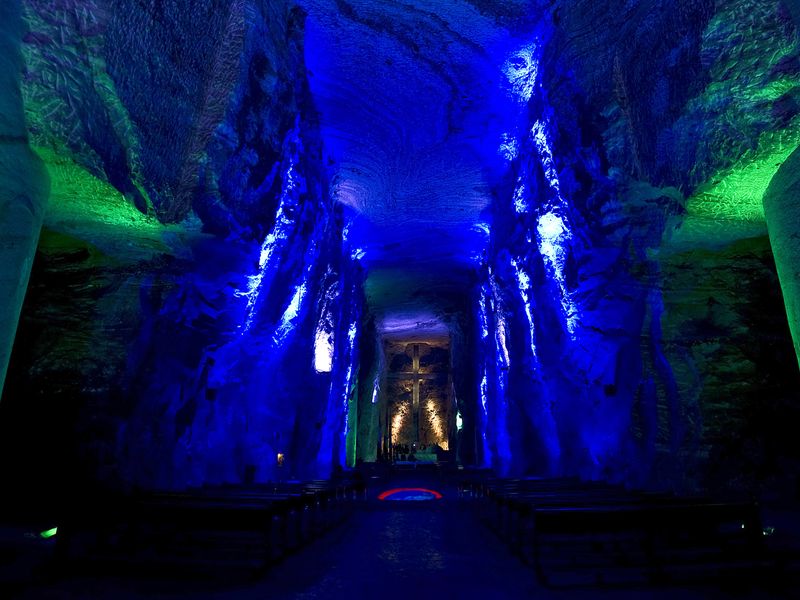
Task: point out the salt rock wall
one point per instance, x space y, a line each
195 307
24 192
133 91
686 89
189 243
647 136
725 335
781 208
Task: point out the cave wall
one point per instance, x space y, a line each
196 304
23 195
371 396
629 263
191 255
725 336
783 213
133 90
688 90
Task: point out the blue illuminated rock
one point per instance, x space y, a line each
250 196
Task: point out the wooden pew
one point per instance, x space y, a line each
585 533
651 540
247 527
507 501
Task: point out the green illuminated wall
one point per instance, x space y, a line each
23 186
782 209
352 424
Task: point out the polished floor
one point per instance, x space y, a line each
387 551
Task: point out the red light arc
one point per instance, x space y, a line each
387 493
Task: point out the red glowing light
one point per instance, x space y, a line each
384 495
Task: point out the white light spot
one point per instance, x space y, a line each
522 71
290 314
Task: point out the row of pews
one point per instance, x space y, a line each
577 533
211 528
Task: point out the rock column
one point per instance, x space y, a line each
782 209
23 185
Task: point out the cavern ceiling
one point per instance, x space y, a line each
413 104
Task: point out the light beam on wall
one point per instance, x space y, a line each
436 423
323 350
521 204
484 394
483 388
500 325
553 230
289 317
325 332
275 239
376 389
509 147
352 334
399 417
522 71
524 285
483 318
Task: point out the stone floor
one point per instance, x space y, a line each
387 551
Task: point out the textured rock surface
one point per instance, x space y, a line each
725 336
654 134
87 62
167 354
246 193
412 111
782 207
23 194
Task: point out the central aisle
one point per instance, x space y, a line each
425 550
404 550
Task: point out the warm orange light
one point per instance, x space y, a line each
401 413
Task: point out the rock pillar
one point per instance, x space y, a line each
23 185
782 209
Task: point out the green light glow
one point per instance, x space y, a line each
87 208
77 195
48 533
352 424
736 193
735 115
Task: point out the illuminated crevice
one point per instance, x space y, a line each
324 333
521 201
290 315
277 239
553 231
524 285
376 389
348 390
522 72
502 363
494 362
483 386
500 325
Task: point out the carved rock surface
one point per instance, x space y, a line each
247 194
